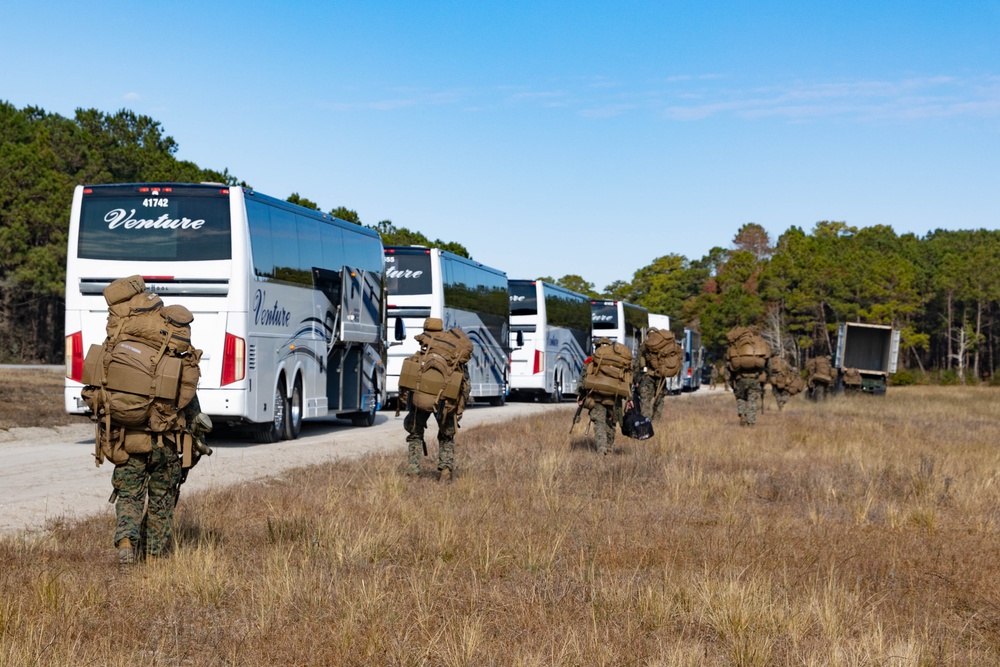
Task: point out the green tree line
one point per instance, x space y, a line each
941 290
43 156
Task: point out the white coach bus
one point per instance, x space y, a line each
550 337
430 282
694 355
287 301
621 321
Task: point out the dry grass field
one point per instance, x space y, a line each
32 397
859 531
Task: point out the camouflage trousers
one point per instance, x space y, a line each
147 482
652 391
818 390
415 424
780 397
748 390
604 420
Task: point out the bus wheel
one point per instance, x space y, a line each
275 430
556 396
293 418
367 418
497 401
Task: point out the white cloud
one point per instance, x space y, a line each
914 98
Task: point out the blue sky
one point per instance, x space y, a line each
554 138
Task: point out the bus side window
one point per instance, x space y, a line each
259 219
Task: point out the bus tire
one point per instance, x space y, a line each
498 401
556 395
274 430
293 414
367 419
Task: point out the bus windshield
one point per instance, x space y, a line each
523 298
172 224
408 273
605 315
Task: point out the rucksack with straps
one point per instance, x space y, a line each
144 374
436 372
795 384
664 356
780 373
747 351
819 370
609 372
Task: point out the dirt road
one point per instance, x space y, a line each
49 474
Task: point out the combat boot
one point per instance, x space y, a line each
413 470
444 475
126 554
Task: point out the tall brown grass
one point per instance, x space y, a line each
854 532
33 397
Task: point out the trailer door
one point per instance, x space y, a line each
838 360
894 352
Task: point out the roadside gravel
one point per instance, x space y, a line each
48 474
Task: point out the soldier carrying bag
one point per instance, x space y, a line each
143 376
747 351
609 373
663 355
819 370
434 375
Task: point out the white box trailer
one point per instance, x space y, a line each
873 349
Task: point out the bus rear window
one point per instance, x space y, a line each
408 273
604 316
132 227
523 298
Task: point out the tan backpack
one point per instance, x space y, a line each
664 356
436 372
747 351
609 372
780 375
820 370
146 371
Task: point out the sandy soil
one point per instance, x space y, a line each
49 474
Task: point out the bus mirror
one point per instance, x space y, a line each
400 332
520 339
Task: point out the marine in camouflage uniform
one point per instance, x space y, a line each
779 373
851 380
605 413
747 389
447 417
147 486
605 419
747 362
781 396
652 389
146 482
819 378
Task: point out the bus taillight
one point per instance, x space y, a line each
74 356
233 359
539 361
